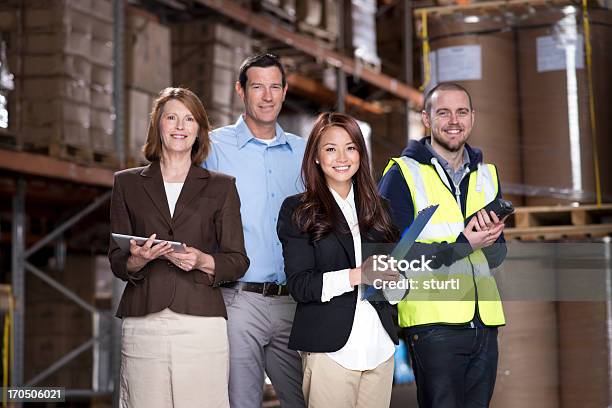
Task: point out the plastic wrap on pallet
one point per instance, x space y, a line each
527 73
554 85
284 9
477 51
7 84
318 18
601 33
363 16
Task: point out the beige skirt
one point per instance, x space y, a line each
174 360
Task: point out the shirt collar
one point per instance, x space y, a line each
442 160
350 198
245 135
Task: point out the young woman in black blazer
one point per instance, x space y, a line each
347 344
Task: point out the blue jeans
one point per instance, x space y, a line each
454 367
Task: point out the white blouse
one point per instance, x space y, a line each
173 190
369 344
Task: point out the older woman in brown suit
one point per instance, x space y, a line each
174 339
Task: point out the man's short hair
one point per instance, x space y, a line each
262 61
444 86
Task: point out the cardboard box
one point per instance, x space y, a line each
195 60
103 119
102 30
319 18
138 109
102 75
102 131
213 82
53 18
8 19
148 64
218 118
73 66
56 134
38 112
74 43
44 88
101 52
82 5
102 9
102 141
47 123
216 88
101 98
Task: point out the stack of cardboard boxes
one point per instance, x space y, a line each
360 32
148 70
102 108
61 54
206 57
319 18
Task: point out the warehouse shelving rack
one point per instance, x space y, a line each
21 167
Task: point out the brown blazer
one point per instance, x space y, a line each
206 217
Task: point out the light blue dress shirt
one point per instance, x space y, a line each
265 176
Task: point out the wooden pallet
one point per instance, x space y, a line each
327 38
561 222
75 154
8 139
106 159
5 298
278 13
368 64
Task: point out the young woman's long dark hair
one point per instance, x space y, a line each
316 215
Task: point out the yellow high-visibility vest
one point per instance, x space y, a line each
448 294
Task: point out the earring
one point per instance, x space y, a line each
316 161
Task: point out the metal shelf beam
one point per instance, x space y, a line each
309 46
51 167
494 5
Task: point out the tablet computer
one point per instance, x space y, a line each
124 242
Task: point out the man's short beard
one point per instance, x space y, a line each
445 145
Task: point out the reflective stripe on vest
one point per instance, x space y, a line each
447 294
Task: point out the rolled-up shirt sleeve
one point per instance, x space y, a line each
335 283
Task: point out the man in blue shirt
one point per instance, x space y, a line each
266 162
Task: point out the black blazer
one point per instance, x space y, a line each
318 326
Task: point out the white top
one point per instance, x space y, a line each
266 141
369 344
173 190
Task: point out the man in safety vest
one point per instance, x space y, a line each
453 310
